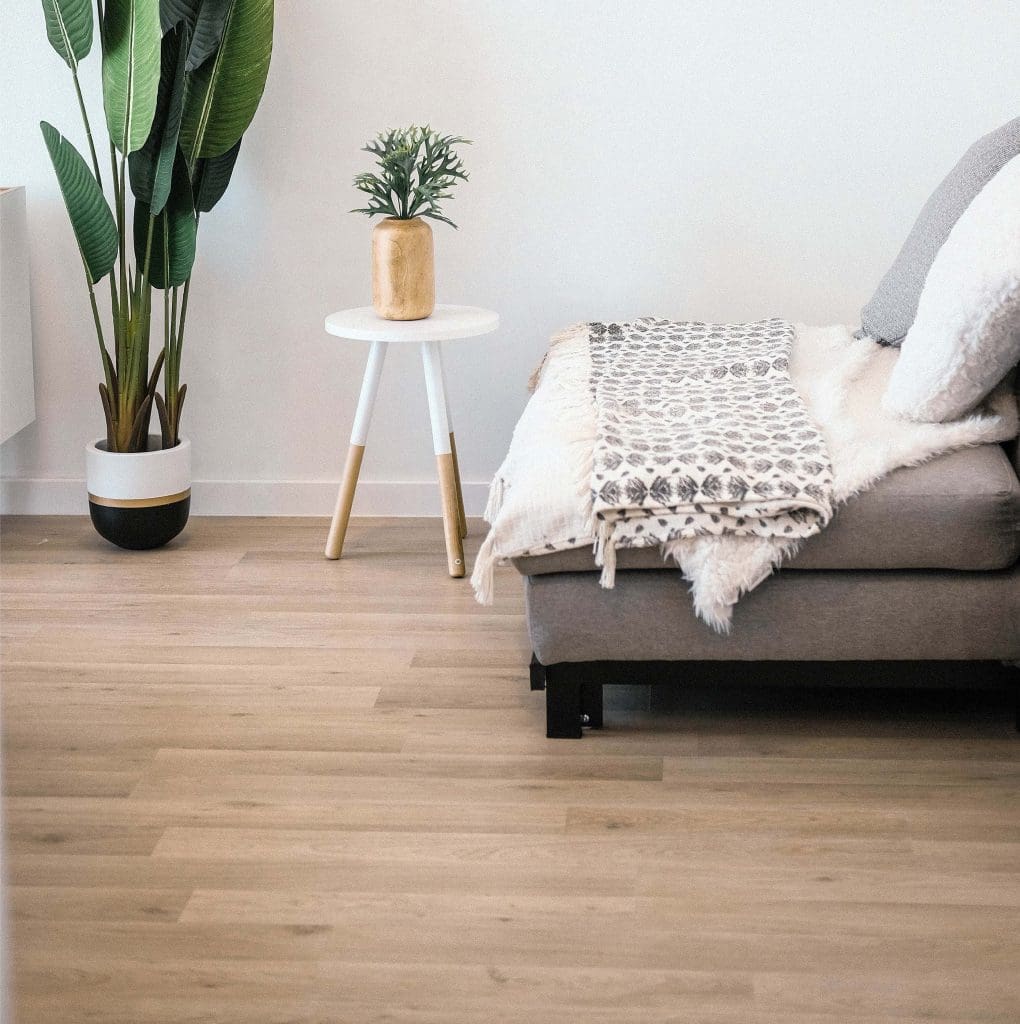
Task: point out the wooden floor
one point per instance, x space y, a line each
246 785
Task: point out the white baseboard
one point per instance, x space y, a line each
28 497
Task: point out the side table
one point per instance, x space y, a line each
447 323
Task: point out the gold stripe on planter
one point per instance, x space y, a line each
167 499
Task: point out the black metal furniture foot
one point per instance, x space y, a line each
537 670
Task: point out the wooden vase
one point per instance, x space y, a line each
403 269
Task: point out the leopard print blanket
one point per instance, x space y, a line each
700 430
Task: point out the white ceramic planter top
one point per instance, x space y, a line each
136 475
447 323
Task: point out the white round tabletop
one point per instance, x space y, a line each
447 323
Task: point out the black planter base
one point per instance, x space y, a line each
139 529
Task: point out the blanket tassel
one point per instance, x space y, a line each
483 577
605 554
567 334
497 492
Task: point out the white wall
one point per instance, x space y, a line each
712 159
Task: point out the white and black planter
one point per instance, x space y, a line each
139 500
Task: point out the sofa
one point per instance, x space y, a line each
924 566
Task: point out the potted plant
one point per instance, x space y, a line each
182 80
417 170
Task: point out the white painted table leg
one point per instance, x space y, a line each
356 452
432 361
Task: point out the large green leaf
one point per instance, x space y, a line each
90 215
205 20
173 11
173 232
223 94
69 28
209 25
212 176
152 165
131 58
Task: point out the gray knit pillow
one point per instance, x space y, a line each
891 311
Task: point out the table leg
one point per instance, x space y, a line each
356 452
432 362
462 515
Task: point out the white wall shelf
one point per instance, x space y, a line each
17 381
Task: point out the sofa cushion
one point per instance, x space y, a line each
890 312
794 616
959 511
966 335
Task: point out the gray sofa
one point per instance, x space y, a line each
925 566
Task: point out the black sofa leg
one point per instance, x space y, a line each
537 670
564 707
1016 705
1015 665
573 699
591 703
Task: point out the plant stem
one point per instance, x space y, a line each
140 316
127 320
179 341
166 328
117 300
173 320
99 334
107 368
184 314
104 397
88 126
143 281
122 227
172 362
169 332
174 388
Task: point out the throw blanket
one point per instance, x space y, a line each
700 431
541 497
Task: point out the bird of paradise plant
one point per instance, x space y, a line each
182 80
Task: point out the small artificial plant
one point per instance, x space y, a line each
182 80
417 170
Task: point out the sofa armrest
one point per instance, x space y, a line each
1013 448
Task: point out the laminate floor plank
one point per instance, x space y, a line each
356 872
244 784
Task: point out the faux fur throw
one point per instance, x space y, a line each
700 431
541 497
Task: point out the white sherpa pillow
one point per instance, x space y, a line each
966 335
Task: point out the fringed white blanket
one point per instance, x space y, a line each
541 497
